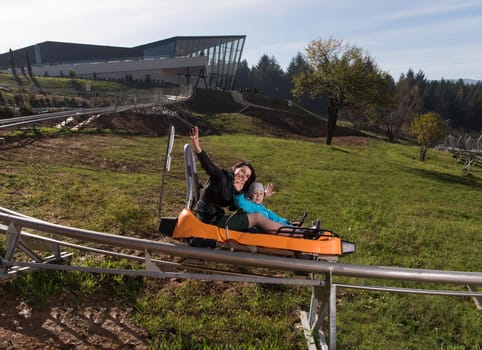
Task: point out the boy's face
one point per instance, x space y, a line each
258 197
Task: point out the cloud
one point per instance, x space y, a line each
391 31
433 8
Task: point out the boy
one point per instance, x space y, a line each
253 202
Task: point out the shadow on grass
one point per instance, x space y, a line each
336 148
468 180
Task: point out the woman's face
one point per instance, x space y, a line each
241 175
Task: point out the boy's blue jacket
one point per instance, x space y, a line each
249 206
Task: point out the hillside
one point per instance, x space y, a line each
399 211
207 109
211 111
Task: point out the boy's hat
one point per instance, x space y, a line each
255 187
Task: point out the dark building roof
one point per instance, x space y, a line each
52 52
186 45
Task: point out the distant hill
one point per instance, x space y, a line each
466 81
471 81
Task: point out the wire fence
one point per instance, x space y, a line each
466 149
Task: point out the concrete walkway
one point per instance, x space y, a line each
238 97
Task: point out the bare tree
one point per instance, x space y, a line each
409 103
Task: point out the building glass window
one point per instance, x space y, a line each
224 55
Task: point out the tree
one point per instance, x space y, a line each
458 103
269 77
298 64
12 63
29 64
375 113
244 78
428 128
409 102
345 74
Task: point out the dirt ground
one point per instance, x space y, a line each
96 324
99 322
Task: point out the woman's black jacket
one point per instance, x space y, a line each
217 193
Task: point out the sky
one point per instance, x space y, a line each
441 38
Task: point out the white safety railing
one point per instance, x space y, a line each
119 103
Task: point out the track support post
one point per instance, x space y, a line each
14 241
13 237
322 306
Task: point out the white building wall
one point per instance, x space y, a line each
171 70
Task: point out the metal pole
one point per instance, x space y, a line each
332 315
167 166
246 259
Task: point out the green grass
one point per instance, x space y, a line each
34 95
198 315
399 211
36 289
51 83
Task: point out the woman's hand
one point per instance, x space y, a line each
238 185
195 139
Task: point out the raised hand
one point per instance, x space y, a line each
268 189
194 134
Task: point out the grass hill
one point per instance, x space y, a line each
399 211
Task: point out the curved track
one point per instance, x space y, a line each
158 99
22 255
323 302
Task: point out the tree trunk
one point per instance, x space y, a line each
423 153
390 133
331 122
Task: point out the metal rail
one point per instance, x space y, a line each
323 300
158 99
317 267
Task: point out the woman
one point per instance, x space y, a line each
220 190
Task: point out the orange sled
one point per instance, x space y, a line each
187 226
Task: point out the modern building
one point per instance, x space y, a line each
205 61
